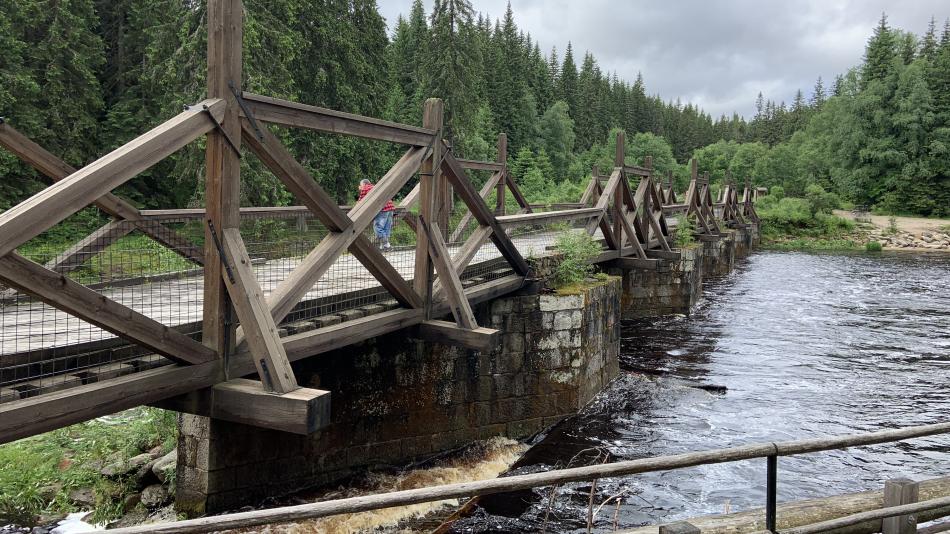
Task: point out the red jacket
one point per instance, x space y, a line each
366 188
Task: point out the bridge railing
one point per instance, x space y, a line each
224 291
771 452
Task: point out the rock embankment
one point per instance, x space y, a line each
932 240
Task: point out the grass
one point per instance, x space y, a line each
797 224
873 246
588 283
38 473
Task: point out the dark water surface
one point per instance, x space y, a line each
805 345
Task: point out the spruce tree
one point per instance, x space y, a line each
879 54
567 82
818 96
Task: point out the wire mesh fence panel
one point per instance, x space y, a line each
44 349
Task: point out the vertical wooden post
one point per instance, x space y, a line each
429 175
693 169
897 492
444 203
502 157
619 159
222 181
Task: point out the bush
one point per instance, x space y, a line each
777 192
873 246
685 227
577 250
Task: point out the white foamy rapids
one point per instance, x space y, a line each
74 524
485 463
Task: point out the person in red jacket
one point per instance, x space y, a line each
383 223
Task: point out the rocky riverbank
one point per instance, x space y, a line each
927 239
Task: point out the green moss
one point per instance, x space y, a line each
37 473
599 279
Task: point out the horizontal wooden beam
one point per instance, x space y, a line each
76 299
288 113
52 205
301 411
480 165
636 170
638 263
480 338
28 417
548 217
664 254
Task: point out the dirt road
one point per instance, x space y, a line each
912 225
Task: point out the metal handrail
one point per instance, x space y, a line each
770 450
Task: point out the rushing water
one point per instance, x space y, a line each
788 346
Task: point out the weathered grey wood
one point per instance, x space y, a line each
637 263
56 169
547 478
289 292
222 165
45 209
59 291
295 177
467 218
432 117
305 188
900 491
27 417
480 339
501 156
664 254
73 257
451 285
301 411
289 113
465 191
604 200
480 165
547 217
873 516
258 326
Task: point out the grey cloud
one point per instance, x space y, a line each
718 55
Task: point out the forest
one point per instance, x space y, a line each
82 77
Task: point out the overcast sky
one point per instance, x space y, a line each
715 54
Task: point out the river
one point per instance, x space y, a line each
789 346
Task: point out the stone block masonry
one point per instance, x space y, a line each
396 399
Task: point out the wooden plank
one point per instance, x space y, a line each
298 115
480 339
295 177
171 239
638 263
465 191
604 199
306 189
289 291
60 292
318 341
547 217
257 325
73 257
301 411
45 209
897 492
56 169
663 254
502 157
516 192
452 286
384 272
480 165
432 117
467 218
27 417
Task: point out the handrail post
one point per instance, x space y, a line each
900 491
771 487
502 157
223 167
429 175
619 161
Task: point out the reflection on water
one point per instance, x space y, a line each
789 346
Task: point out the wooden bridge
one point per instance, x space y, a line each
223 293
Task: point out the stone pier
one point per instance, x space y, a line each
397 399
